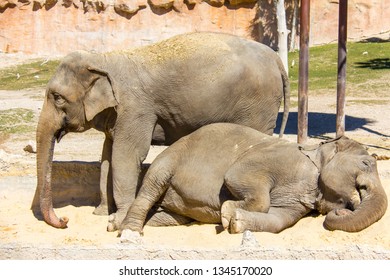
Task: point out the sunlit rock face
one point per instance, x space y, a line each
56 27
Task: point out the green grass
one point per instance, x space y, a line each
367 102
16 121
368 69
30 75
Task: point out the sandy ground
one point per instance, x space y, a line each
23 236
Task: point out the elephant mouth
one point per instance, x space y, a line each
59 134
350 206
67 127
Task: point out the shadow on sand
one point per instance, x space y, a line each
323 123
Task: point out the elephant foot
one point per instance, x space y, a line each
237 222
112 224
234 221
101 210
225 222
227 212
115 220
130 237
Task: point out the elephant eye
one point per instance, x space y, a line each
367 165
58 99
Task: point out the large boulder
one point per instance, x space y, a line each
129 7
4 4
164 4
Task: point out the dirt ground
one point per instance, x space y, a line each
75 179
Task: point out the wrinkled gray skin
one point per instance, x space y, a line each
251 181
105 122
181 84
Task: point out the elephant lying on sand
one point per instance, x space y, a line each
251 181
181 84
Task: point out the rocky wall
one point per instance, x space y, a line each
56 27
102 25
366 19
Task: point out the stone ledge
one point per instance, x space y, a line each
139 252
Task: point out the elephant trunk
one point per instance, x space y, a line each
372 207
46 135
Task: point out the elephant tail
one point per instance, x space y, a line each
286 95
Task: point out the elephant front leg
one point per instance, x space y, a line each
251 189
126 173
107 204
276 220
130 148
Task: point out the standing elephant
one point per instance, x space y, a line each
251 181
181 84
105 122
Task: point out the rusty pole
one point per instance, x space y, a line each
341 67
303 71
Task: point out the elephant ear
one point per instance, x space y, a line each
328 150
311 152
100 95
321 154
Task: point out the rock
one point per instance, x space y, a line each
192 2
238 2
30 147
50 3
131 237
67 3
38 4
24 2
215 3
178 5
128 7
94 5
164 4
4 4
249 240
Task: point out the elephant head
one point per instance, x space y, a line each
351 194
77 92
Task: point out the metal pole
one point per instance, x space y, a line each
303 71
341 67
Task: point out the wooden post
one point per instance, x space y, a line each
303 71
341 67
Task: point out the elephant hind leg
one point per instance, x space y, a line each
163 217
